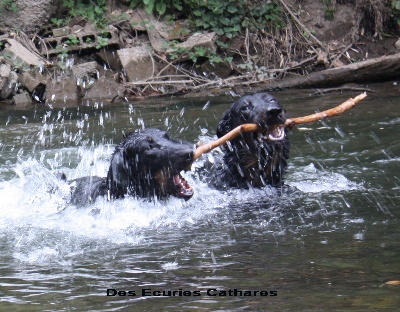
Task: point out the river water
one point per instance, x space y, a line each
330 245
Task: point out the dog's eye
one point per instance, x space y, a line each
245 108
150 140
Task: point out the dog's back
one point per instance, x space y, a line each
85 190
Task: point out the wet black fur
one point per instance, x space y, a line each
247 161
142 166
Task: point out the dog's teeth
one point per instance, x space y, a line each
275 134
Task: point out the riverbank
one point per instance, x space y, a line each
137 56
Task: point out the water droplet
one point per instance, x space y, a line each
358 236
131 109
340 132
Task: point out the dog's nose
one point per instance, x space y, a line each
274 111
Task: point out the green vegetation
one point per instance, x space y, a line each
224 17
396 10
101 42
196 53
227 18
72 40
8 5
93 11
158 6
329 9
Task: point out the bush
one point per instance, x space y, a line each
90 10
224 17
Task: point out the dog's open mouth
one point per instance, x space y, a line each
182 187
272 133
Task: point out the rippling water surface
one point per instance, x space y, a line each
330 242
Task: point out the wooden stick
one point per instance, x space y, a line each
205 148
290 123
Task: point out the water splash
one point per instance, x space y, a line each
206 106
311 180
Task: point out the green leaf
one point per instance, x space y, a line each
149 5
232 9
90 15
226 21
98 10
161 7
197 13
178 5
229 59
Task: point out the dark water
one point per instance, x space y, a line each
331 245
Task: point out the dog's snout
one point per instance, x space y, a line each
274 111
182 154
187 154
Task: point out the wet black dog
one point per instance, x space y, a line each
146 164
253 159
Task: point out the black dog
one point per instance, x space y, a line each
146 164
253 159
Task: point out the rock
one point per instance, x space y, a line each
85 69
77 21
221 69
104 89
322 58
159 31
19 56
66 89
58 32
158 43
109 56
178 30
9 86
28 15
337 63
5 70
204 40
31 80
87 38
156 31
136 21
61 90
397 44
21 99
137 63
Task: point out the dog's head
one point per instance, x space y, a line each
148 163
256 158
260 108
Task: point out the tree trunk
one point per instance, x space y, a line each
374 70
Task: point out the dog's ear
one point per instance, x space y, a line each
118 174
224 126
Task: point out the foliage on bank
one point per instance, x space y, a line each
224 17
253 41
